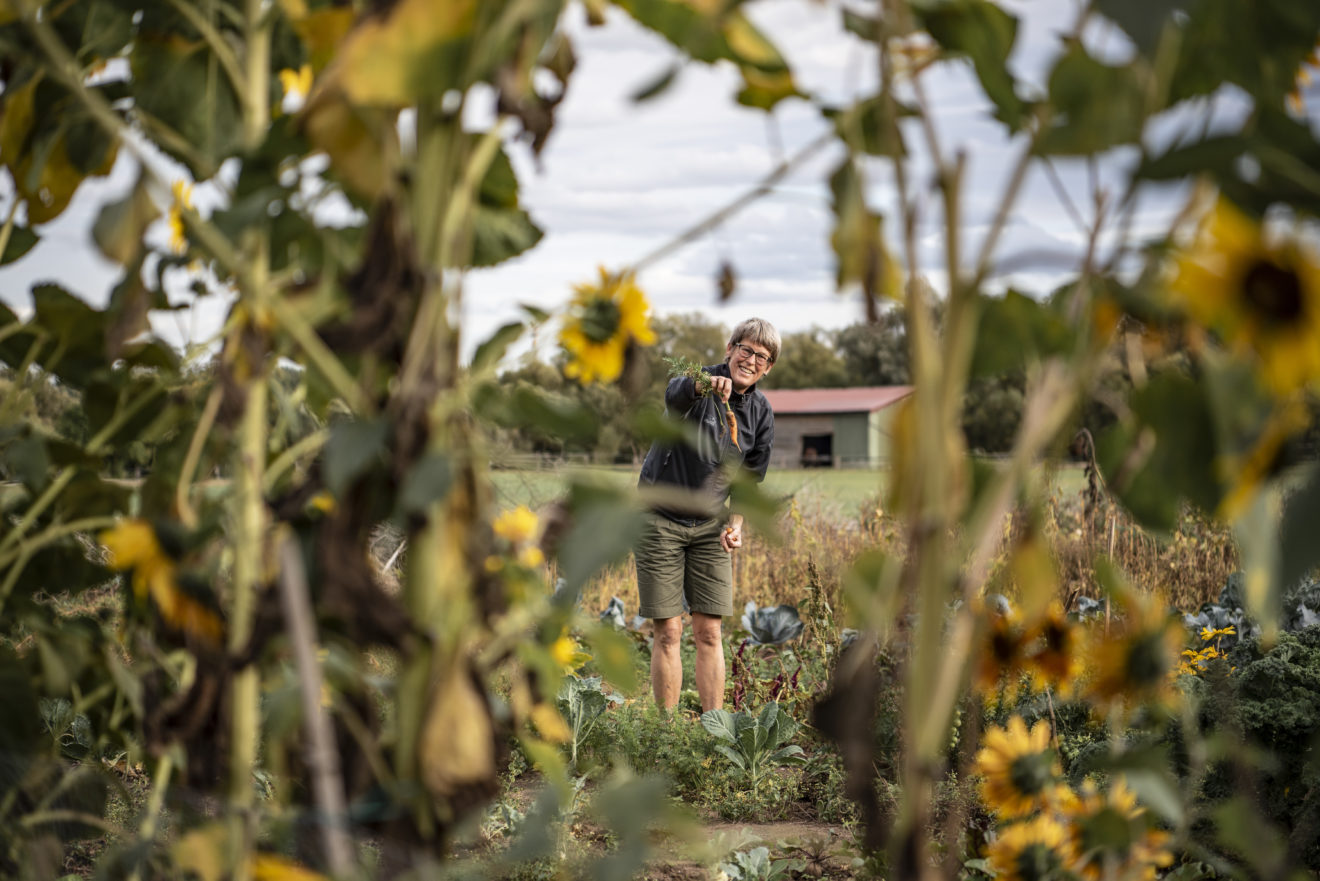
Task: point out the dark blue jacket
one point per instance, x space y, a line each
699 467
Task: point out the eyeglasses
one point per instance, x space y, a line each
757 358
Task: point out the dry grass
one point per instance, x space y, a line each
1186 568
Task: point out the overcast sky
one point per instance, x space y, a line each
617 180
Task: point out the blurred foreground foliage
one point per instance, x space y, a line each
291 699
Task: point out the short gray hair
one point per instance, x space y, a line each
759 331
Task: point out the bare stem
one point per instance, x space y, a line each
322 755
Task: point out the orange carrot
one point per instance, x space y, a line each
733 426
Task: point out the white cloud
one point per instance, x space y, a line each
617 180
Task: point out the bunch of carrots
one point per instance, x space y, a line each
701 379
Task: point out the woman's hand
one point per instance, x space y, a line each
732 536
722 386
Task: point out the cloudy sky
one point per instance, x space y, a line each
617 180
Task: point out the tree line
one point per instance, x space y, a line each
621 415
861 354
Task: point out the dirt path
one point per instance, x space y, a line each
674 863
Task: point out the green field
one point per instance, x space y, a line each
836 492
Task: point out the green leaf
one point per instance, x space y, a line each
657 86
1015 330
99 29
20 729
613 654
720 32
749 498
553 413
353 449
79 329
1096 106
870 126
499 235
26 459
719 722
490 352
1168 454
864 26
984 33
1256 532
1258 47
1245 832
732 755
427 481
605 525
630 807
1158 790
21 240
170 75
1299 552
428 47
1142 20
126 313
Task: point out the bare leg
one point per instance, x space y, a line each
710 660
666 662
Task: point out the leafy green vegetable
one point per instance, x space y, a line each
755 745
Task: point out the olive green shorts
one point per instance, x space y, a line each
676 561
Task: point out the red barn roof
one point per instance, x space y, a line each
866 399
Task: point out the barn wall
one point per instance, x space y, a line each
789 429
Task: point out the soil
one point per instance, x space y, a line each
827 842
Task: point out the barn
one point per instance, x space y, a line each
833 427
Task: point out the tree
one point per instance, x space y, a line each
809 359
877 353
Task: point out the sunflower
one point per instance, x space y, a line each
1019 771
1140 660
1001 655
1032 850
1260 294
1244 474
182 191
1054 656
1112 838
132 545
516 525
603 321
271 867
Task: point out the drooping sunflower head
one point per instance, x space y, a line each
1138 662
1032 850
1260 293
131 542
603 320
1112 836
1020 772
1001 652
1054 654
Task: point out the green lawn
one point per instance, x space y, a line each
837 492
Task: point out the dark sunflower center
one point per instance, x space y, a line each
1004 645
1056 637
1031 773
1036 862
600 320
1147 663
1273 292
1106 832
